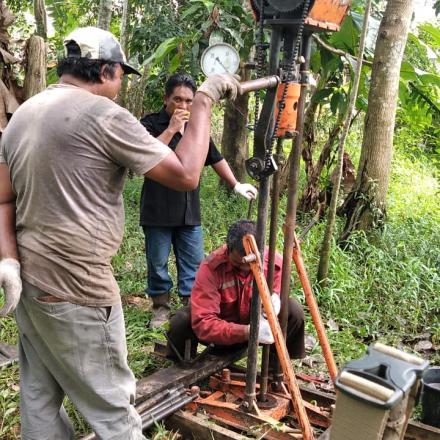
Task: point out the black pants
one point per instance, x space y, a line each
180 330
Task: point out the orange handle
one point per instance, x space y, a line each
251 249
314 310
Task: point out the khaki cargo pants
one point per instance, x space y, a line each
67 349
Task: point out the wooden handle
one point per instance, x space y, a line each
401 355
365 386
314 310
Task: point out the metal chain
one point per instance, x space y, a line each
289 80
260 60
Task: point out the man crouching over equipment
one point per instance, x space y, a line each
63 160
220 302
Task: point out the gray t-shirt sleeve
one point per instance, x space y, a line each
128 143
2 154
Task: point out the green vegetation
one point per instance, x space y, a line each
384 290
383 286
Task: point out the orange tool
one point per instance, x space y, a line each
253 258
314 310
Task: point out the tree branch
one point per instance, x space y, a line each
339 52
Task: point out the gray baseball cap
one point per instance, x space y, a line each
97 44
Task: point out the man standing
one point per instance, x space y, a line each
221 299
172 218
63 160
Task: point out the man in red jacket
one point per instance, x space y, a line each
221 299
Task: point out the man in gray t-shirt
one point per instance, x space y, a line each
63 161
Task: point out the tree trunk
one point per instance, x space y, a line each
328 235
122 97
137 90
35 76
105 14
40 18
234 138
310 196
309 136
10 93
366 205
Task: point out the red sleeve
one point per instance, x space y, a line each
277 273
205 311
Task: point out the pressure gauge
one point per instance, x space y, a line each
219 58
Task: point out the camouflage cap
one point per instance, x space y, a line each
97 44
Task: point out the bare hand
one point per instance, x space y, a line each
178 120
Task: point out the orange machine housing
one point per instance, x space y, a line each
325 15
328 14
287 124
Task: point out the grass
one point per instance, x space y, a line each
385 289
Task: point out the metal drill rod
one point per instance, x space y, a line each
268 82
148 419
176 397
292 197
265 358
160 401
249 213
252 360
263 135
160 397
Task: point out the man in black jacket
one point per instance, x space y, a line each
170 217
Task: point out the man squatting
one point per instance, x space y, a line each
220 302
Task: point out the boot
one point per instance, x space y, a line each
161 310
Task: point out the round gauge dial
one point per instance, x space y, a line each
220 58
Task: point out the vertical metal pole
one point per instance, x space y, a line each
274 217
292 197
271 266
263 202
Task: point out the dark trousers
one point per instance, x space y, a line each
180 330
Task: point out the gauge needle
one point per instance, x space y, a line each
221 64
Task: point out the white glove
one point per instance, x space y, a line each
276 304
221 86
10 281
265 335
246 190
